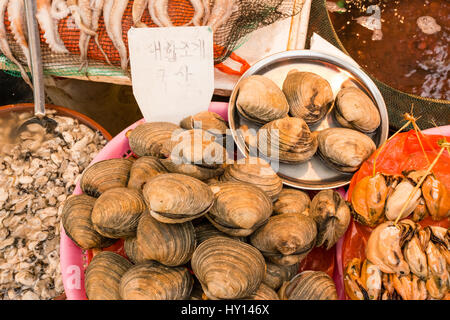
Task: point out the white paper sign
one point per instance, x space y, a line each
172 71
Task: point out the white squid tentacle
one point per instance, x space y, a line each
16 16
97 8
151 9
161 12
59 9
86 18
199 12
115 25
76 14
49 26
221 12
4 45
207 12
138 9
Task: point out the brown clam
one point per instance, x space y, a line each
205 230
103 275
261 100
227 268
255 171
132 250
206 120
104 175
152 281
332 215
147 139
289 234
355 110
309 95
276 275
195 171
309 285
142 170
437 198
288 140
344 149
264 292
291 201
399 197
239 208
176 198
169 244
117 212
76 221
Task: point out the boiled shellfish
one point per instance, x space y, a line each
309 285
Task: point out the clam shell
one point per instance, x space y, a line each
260 100
206 120
192 170
291 201
142 170
176 198
105 175
103 275
309 285
117 212
239 208
308 94
133 251
227 268
355 110
76 221
205 230
169 244
255 171
264 292
286 235
276 274
148 139
344 149
288 140
332 215
152 281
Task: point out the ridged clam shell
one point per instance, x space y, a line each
309 285
205 230
192 170
332 215
264 292
344 149
276 274
227 268
76 220
239 208
132 250
291 201
309 95
355 110
261 100
285 235
176 198
152 281
103 275
117 212
206 120
105 175
142 170
169 244
255 171
147 139
288 140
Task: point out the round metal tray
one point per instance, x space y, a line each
314 174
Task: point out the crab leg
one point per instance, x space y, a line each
16 16
137 11
4 46
115 25
221 12
50 27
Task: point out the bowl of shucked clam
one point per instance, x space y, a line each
314 117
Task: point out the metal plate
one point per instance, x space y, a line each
314 174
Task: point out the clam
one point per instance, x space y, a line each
103 275
289 234
344 149
288 140
437 198
227 268
398 198
255 171
176 198
104 175
438 281
355 110
76 220
261 100
309 285
117 212
354 286
169 244
195 171
239 208
371 277
276 275
133 251
414 254
368 200
291 201
142 170
308 94
421 211
332 215
206 120
147 139
205 230
264 292
152 281
409 287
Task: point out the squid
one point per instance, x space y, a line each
207 12
199 11
4 45
137 11
115 27
159 13
86 18
97 7
59 9
221 12
49 26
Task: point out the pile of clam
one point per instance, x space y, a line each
287 115
198 225
403 261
